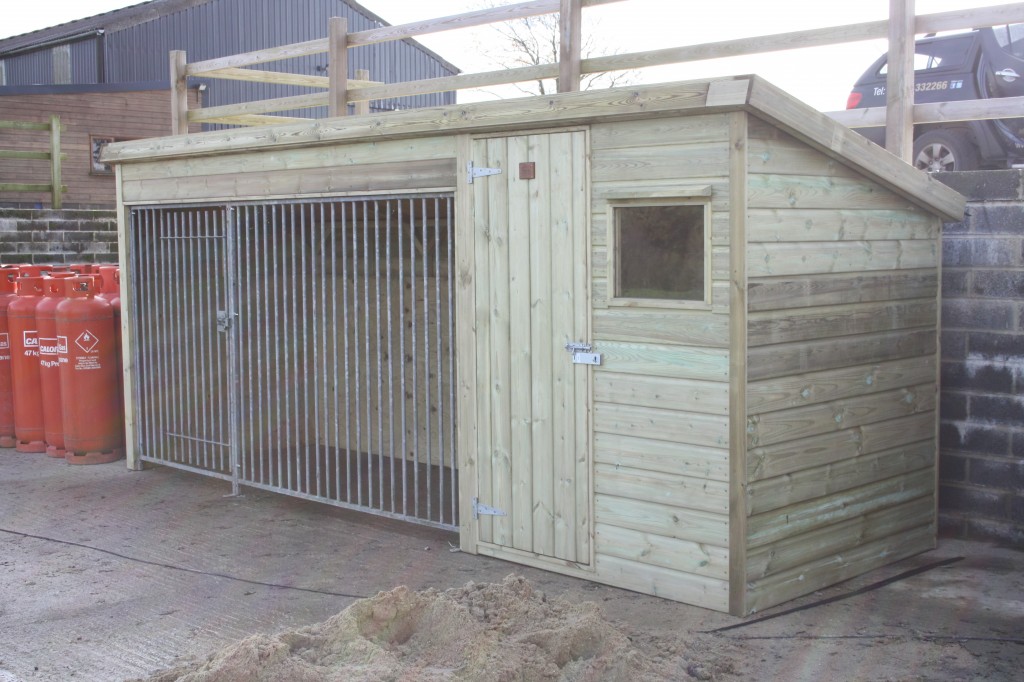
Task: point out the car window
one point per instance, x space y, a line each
922 62
1011 38
944 52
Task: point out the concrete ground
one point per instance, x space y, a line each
107 574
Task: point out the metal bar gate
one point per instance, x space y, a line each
301 347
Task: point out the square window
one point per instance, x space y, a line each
660 252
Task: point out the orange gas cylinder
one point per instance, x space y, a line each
28 404
8 276
49 362
111 293
93 429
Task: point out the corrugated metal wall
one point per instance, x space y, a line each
215 29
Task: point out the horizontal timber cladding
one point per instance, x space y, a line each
661 394
385 166
842 321
765 294
855 559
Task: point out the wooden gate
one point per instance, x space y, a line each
532 302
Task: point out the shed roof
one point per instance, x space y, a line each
738 93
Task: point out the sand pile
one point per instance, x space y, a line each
493 632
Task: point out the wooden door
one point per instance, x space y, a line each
532 299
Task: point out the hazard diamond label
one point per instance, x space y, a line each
87 341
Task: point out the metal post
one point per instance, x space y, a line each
232 337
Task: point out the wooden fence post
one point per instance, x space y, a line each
57 193
570 33
899 82
337 31
179 94
363 106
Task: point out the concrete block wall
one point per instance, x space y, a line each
981 471
68 236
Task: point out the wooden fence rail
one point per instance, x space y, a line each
900 29
54 156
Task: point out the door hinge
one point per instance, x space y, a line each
473 172
485 510
581 354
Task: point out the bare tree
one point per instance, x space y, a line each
533 41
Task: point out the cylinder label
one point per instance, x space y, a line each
87 362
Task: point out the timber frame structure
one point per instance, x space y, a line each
771 435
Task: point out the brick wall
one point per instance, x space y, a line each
982 410
69 236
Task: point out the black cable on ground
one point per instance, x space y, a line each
181 568
840 597
919 637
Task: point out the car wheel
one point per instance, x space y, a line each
945 150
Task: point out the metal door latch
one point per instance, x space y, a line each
581 354
224 320
484 510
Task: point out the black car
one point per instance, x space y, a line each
983 63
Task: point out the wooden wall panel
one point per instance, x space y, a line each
661 394
842 372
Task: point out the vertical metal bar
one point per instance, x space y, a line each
196 451
401 355
302 322
319 334
231 289
258 370
170 358
275 445
348 383
183 294
205 317
452 491
264 284
368 356
293 415
426 360
380 369
357 386
439 348
200 311
155 315
415 362
222 352
250 290
391 349
336 330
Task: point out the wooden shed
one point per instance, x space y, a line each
683 337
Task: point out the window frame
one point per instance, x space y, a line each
695 197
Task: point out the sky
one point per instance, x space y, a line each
822 77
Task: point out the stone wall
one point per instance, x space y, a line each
68 236
982 414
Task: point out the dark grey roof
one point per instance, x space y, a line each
147 11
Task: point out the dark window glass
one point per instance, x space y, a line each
660 252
